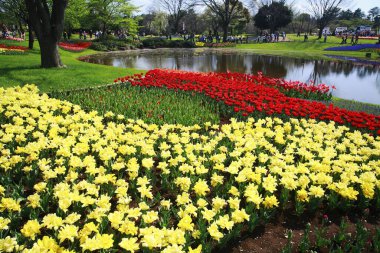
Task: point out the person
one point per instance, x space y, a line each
90 33
84 35
64 35
352 39
305 37
356 38
325 37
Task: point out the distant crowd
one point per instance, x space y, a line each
5 33
271 37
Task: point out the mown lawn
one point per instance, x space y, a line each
25 69
312 49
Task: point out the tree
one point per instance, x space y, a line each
324 11
191 20
225 10
241 20
376 22
76 11
358 14
47 20
273 16
14 11
302 23
160 23
346 15
372 13
177 10
145 23
212 22
112 13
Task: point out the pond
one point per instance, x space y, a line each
352 81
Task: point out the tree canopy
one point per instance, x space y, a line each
273 16
108 14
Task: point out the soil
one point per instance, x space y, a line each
273 237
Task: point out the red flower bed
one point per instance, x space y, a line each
74 47
290 88
13 47
249 94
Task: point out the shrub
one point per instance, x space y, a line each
112 44
160 42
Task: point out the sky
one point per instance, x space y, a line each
365 5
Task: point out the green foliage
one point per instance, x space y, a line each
108 14
351 24
112 44
12 12
153 105
273 16
75 14
361 240
160 42
160 23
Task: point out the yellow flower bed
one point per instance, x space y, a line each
11 51
199 44
74 181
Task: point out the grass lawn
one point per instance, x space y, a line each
23 69
312 49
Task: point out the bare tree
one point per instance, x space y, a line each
47 20
177 10
324 11
225 10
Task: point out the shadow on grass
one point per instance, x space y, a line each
13 73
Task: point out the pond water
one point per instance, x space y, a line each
352 81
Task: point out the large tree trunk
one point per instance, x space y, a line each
49 53
47 21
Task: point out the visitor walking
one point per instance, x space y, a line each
324 37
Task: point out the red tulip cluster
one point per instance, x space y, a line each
255 93
74 47
13 47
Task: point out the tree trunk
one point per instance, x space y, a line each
321 25
49 53
320 32
225 32
31 36
31 39
48 26
21 28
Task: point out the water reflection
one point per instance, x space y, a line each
356 82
